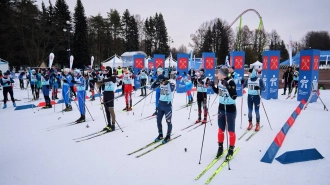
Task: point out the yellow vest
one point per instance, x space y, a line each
120 71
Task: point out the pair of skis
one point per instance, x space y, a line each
198 125
152 149
223 164
247 131
291 97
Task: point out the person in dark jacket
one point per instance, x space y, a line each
287 78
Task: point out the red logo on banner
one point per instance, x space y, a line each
265 63
305 63
139 63
316 63
183 63
273 62
238 62
150 64
209 63
159 62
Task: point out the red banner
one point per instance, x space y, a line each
139 63
265 63
274 62
305 63
316 63
238 62
183 63
209 63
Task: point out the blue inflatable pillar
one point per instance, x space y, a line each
237 59
308 73
209 67
270 74
182 66
159 60
138 65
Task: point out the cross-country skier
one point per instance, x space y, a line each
108 98
156 88
295 82
164 107
79 82
34 79
92 79
255 86
67 80
202 85
188 86
46 88
226 91
143 78
21 80
127 78
6 82
287 78
55 84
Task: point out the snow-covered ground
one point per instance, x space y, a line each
31 155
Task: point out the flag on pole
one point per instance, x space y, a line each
326 61
51 59
92 60
227 61
290 50
71 62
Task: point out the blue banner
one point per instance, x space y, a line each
237 59
138 65
308 73
159 60
182 66
209 65
270 74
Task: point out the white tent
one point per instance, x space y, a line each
256 65
3 65
169 61
113 61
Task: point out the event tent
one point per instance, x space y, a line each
169 61
113 61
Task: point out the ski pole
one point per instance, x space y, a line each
142 99
151 96
200 156
242 107
143 105
214 100
227 130
208 111
191 106
265 112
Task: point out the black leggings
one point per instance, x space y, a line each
108 99
35 90
202 99
21 83
11 93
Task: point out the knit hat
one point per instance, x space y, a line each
160 69
77 71
223 70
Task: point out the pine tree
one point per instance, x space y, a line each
207 44
134 35
80 41
61 15
224 45
117 29
161 37
125 21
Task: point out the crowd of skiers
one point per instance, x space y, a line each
75 83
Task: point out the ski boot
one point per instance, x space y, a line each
230 153
81 119
129 108
198 120
257 127
66 108
155 113
56 98
220 150
113 127
107 128
283 93
126 108
14 104
69 108
159 137
250 125
204 120
93 98
166 139
4 106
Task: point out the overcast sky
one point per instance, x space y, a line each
183 17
